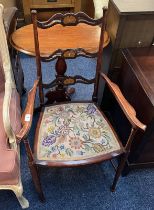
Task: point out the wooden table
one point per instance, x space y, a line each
59 37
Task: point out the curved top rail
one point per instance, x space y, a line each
68 19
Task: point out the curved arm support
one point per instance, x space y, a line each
27 115
128 110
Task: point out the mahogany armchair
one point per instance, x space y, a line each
11 129
71 134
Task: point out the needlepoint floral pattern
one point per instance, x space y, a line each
74 131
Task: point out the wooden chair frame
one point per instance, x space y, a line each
70 19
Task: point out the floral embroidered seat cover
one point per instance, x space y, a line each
74 131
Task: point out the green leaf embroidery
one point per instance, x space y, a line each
76 130
69 152
85 137
87 147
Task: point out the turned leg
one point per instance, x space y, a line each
60 93
61 68
19 75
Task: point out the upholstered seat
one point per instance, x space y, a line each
9 167
74 131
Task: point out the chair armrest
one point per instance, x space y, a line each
27 115
128 110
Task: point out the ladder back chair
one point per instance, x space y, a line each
71 134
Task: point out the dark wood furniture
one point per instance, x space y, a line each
136 81
46 8
74 134
129 24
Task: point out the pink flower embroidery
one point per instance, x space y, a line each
75 142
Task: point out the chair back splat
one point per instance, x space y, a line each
75 22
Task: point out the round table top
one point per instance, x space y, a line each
58 37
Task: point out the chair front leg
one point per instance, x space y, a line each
36 180
119 171
34 170
123 158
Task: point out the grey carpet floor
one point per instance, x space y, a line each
85 188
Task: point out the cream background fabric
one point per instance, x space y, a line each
74 131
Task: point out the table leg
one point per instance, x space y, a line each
18 73
60 93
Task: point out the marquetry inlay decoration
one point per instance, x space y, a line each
69 19
69 81
69 54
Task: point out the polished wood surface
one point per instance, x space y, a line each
58 37
134 6
46 9
28 112
129 111
144 71
51 2
129 24
136 81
